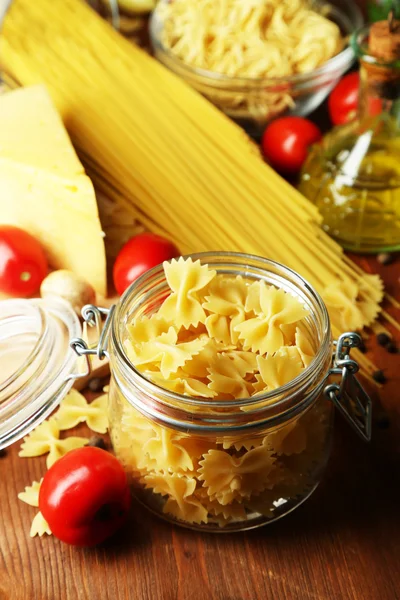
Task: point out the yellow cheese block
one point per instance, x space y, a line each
43 188
60 212
32 132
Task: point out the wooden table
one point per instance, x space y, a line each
343 543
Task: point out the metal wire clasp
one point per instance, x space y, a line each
349 396
93 316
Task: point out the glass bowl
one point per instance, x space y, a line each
253 102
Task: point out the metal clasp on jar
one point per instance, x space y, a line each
348 396
93 316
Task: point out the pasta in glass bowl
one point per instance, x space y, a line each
258 61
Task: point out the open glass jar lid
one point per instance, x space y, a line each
36 362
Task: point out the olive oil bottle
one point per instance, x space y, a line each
353 176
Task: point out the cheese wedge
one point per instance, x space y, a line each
43 186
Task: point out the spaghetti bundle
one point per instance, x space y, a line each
169 158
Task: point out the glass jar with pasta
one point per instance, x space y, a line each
218 397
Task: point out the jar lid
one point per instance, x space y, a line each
36 362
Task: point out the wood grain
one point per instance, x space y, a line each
342 544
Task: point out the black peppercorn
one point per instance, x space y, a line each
383 339
391 347
385 258
362 347
96 384
383 421
379 376
97 442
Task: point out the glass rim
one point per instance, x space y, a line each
253 404
32 391
37 347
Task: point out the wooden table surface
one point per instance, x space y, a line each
343 543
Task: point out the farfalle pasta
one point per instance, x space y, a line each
74 409
187 279
45 439
218 338
30 496
273 309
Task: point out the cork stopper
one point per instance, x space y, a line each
384 39
384 45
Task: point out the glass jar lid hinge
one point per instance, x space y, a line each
349 396
93 316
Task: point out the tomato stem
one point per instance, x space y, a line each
25 276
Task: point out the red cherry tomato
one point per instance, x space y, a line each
286 141
138 255
23 264
85 497
343 100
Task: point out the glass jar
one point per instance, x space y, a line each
37 364
225 465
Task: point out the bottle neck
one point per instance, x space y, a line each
379 77
379 92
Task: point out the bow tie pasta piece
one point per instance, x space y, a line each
131 454
304 347
182 384
289 333
280 368
181 503
141 429
229 512
186 279
136 431
341 298
226 296
252 303
226 378
240 443
192 333
39 526
199 363
74 410
289 439
168 452
197 446
145 329
245 362
45 438
259 385
262 333
228 478
218 328
164 352
31 496
223 329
